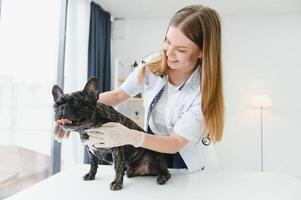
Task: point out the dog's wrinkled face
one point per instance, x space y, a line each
74 111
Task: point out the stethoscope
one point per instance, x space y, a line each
206 140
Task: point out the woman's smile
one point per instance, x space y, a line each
171 61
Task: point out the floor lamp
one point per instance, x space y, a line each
262 101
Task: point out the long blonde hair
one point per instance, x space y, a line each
202 26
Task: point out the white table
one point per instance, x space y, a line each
201 186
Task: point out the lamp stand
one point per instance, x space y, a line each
261 139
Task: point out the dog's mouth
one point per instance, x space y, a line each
67 121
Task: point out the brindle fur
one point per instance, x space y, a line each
92 114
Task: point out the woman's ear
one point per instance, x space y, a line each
201 54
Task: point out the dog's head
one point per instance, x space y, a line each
74 111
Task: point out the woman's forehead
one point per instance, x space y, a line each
177 38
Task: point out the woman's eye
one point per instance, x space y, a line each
181 51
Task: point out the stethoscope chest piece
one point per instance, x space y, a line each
206 141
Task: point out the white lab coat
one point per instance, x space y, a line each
183 112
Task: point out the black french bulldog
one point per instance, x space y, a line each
79 111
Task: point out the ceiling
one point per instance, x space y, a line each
166 8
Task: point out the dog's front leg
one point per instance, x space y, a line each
93 168
119 166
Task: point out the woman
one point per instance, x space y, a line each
183 95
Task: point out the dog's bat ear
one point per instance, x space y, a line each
56 92
91 87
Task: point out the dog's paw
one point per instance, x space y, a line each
115 185
162 179
88 177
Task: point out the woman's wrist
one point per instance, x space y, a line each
136 138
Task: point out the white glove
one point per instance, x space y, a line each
114 134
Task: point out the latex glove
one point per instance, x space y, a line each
114 134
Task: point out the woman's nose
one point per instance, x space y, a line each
170 52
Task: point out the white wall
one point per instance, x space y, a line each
260 56
134 39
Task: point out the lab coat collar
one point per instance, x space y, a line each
193 81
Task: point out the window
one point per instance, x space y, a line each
29 39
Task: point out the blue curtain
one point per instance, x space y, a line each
99 56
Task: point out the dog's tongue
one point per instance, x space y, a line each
63 121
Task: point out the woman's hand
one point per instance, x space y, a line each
114 134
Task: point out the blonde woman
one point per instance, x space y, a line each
183 95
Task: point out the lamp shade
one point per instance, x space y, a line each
263 100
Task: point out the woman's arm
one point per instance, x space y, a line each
113 134
113 98
164 144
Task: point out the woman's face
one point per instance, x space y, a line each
182 54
